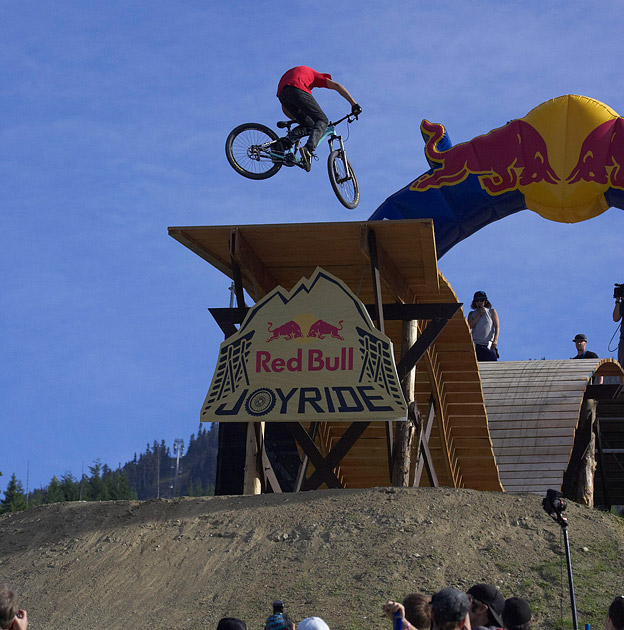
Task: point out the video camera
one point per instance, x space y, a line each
554 503
618 291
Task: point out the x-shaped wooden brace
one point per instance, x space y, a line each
324 466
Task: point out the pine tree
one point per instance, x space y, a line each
96 486
54 493
14 498
70 487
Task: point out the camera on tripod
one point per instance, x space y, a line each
554 503
618 291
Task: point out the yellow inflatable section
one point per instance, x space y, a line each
570 126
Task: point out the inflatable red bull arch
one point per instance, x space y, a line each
563 160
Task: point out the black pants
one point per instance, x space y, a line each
306 111
485 354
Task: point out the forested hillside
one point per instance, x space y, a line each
149 475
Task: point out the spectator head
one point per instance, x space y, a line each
615 616
231 623
312 623
279 621
449 609
480 296
8 606
516 614
487 605
418 610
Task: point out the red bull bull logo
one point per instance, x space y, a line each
289 330
293 330
601 158
505 159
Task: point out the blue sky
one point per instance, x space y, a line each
114 118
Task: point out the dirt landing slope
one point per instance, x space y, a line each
336 554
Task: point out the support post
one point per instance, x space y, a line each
587 467
603 476
404 432
252 483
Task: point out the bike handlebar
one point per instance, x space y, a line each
350 117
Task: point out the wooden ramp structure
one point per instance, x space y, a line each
609 431
534 409
392 267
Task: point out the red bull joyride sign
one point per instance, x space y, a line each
563 160
309 354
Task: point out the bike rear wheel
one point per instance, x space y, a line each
247 149
343 179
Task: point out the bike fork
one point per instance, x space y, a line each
348 174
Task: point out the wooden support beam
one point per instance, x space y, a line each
415 353
424 458
334 457
405 312
238 284
404 430
304 460
269 473
587 468
374 260
252 483
388 271
603 478
372 252
227 317
242 252
309 448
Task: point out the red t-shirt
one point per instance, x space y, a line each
304 78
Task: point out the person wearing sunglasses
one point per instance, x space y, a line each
485 327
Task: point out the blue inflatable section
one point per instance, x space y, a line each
457 211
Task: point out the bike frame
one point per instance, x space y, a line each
330 135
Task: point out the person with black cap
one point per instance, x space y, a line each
615 616
450 610
487 606
581 348
516 614
485 327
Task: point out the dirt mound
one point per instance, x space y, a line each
337 554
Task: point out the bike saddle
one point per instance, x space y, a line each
283 124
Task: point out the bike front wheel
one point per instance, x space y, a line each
248 148
343 179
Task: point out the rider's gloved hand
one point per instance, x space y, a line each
356 110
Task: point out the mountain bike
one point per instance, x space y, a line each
252 152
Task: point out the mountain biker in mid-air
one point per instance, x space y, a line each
294 93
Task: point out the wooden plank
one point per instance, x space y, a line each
538 434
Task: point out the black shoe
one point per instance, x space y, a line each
306 158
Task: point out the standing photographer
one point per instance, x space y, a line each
485 327
618 313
